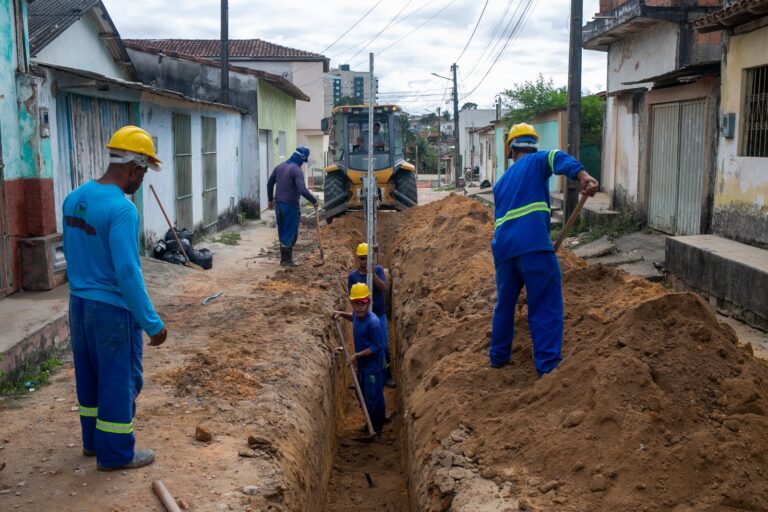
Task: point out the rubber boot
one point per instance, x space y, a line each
288 261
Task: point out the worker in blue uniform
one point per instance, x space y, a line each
366 330
522 249
109 305
378 306
289 180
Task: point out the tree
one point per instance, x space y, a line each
524 101
446 116
469 105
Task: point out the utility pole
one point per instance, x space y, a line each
224 51
439 137
456 150
371 188
571 195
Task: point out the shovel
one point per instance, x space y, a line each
350 365
319 240
175 235
571 221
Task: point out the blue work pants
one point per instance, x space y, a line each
387 357
107 348
539 272
287 217
372 385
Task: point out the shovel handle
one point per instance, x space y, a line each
165 497
173 230
351 367
571 221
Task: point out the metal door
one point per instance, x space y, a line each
677 167
693 119
210 189
85 125
662 203
3 233
182 162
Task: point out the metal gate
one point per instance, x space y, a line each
85 126
182 160
210 188
677 167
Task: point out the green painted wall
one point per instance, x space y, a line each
277 112
549 140
9 122
501 147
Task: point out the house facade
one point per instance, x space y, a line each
303 69
469 146
658 153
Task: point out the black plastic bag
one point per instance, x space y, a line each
202 257
174 257
173 246
184 234
159 249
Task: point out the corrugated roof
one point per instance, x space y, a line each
238 48
49 18
737 13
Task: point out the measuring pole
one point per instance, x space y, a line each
571 194
370 218
456 150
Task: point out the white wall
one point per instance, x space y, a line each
308 76
646 54
157 119
79 47
620 160
472 118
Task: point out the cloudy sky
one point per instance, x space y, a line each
411 39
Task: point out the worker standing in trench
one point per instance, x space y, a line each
289 180
378 306
366 330
109 305
522 249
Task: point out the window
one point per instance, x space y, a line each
358 134
281 144
359 88
755 127
210 186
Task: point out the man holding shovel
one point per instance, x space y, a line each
522 250
109 305
290 187
366 330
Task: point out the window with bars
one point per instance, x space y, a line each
755 126
210 179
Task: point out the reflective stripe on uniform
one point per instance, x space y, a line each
89 412
114 428
551 159
540 206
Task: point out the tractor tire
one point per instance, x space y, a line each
405 184
335 189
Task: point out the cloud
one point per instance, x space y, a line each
540 47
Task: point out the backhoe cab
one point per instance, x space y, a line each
395 178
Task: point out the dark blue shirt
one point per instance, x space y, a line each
367 334
290 185
379 306
521 198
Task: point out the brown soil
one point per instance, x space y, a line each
655 407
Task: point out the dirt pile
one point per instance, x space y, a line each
655 406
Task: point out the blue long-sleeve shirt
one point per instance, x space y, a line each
521 198
290 184
367 334
101 244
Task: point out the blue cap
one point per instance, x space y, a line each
302 152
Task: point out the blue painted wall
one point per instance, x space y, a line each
549 140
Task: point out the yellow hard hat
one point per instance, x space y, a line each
522 130
359 291
362 249
135 140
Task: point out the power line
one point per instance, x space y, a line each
353 26
498 25
473 33
386 27
515 30
418 27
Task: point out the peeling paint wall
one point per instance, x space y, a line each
646 54
157 119
621 149
741 185
9 126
